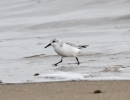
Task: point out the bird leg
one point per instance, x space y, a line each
77 60
58 62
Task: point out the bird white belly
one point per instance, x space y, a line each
66 51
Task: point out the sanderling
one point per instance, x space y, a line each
66 49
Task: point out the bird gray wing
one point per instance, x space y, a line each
82 46
74 45
71 44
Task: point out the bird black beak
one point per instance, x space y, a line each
48 45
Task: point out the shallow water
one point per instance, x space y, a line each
27 26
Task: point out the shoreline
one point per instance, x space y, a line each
63 81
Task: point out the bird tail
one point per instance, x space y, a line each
83 46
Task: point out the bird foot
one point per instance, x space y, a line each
55 64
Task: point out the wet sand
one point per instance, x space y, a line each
75 90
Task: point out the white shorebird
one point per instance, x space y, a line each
66 49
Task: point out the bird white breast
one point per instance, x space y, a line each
66 50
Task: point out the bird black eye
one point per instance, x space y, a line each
54 41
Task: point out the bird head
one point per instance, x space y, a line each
53 42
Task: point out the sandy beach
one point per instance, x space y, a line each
75 90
